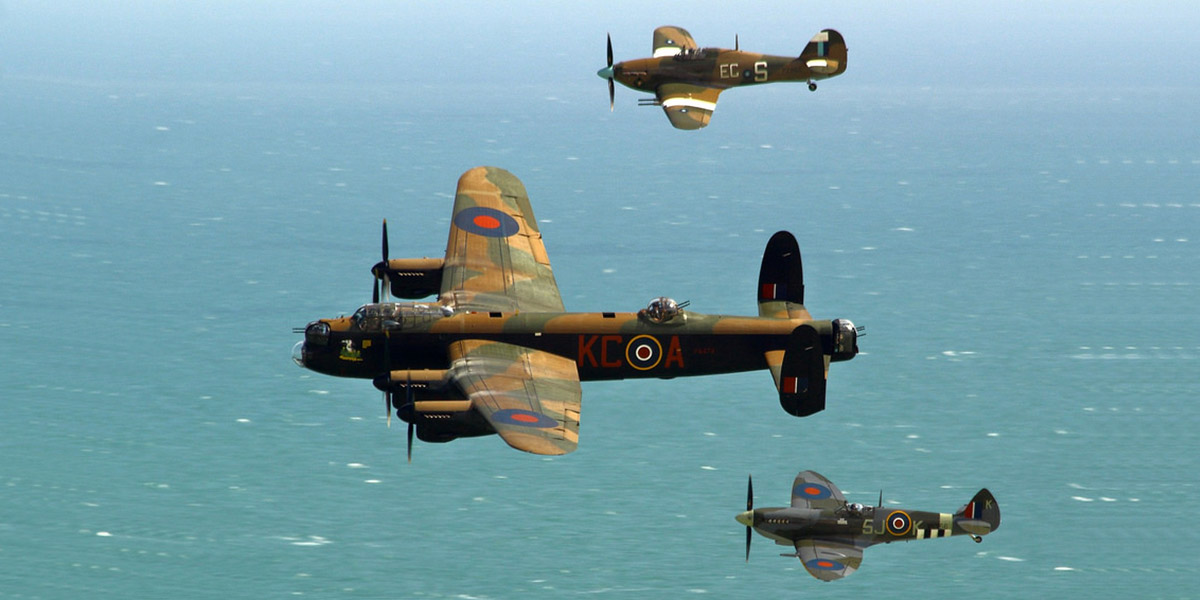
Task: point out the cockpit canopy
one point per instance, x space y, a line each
393 315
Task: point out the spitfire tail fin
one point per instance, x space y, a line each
980 516
781 279
825 54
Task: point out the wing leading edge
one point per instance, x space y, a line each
495 258
530 397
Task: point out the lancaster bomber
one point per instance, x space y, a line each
830 534
497 353
686 79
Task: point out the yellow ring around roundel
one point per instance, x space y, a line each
658 353
907 521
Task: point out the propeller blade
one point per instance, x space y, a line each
409 400
749 507
385 242
410 436
612 90
375 293
387 406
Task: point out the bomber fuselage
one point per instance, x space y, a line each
606 345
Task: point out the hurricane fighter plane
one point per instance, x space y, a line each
830 534
686 79
496 353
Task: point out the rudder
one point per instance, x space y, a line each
781 279
802 375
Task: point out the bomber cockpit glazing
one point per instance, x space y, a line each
393 315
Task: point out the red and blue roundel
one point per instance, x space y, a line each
643 352
898 523
824 564
812 491
526 418
485 221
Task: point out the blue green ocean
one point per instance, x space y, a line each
180 188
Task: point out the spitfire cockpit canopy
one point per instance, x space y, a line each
392 315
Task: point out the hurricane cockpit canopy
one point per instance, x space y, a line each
393 315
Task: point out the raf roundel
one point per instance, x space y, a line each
643 352
898 523
824 564
488 222
812 491
527 418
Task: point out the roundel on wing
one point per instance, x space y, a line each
643 352
898 523
811 491
526 418
824 564
485 221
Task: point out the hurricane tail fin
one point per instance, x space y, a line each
825 54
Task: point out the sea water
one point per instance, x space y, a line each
1024 262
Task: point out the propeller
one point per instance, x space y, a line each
380 270
749 509
607 73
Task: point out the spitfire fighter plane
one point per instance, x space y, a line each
496 353
830 534
686 79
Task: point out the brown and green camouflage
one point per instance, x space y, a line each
686 79
496 353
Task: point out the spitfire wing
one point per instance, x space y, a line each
828 560
688 106
530 397
670 40
811 490
495 258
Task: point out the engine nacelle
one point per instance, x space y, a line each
412 278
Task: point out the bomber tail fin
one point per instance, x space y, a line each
980 516
781 279
800 376
825 54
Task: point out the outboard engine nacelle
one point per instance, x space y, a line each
412 278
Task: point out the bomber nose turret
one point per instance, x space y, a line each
298 353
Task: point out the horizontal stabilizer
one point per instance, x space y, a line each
802 375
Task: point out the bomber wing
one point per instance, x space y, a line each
495 258
670 40
812 490
688 106
530 397
828 560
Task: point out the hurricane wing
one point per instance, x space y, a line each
670 40
495 258
688 106
812 490
530 397
828 560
